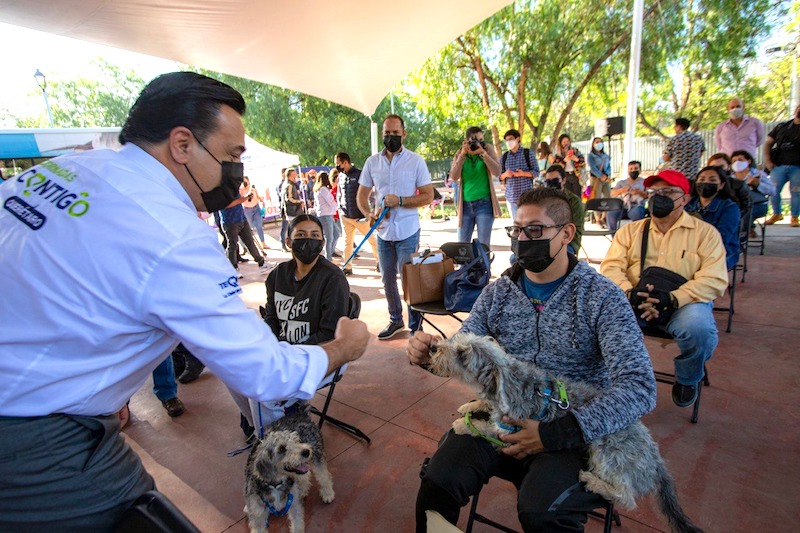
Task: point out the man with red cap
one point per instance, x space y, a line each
677 243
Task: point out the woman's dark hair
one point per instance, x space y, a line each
302 218
544 149
178 99
323 180
720 155
562 137
597 151
724 192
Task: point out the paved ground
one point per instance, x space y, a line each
736 470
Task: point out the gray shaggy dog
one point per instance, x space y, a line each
622 466
279 468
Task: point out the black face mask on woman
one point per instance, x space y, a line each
534 255
306 250
707 190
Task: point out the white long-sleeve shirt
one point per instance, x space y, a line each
324 204
105 268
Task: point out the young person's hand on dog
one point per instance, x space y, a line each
349 343
419 348
524 442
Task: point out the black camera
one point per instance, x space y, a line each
474 144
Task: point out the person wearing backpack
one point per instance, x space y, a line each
291 203
782 158
518 170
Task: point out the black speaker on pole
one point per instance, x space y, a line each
606 127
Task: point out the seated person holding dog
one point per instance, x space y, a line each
677 244
553 310
306 297
711 199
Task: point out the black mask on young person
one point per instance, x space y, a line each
306 250
553 184
227 191
339 168
634 174
534 255
707 190
661 206
393 143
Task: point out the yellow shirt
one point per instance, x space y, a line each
691 248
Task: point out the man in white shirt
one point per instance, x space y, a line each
106 268
397 174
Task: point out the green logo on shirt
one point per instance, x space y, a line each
75 204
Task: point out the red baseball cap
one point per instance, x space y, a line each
673 177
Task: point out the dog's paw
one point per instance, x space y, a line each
460 427
473 406
327 495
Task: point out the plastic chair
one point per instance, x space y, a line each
600 205
353 311
152 512
609 517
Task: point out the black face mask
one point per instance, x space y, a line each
393 143
534 255
227 191
339 168
306 250
707 190
634 174
661 206
553 184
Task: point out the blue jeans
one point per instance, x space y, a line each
253 216
636 212
694 329
480 212
512 209
759 210
284 229
780 175
391 256
329 230
164 385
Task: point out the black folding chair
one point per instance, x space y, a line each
759 241
353 311
461 253
152 512
600 205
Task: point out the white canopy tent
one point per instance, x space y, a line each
263 165
351 53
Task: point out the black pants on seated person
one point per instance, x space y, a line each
551 497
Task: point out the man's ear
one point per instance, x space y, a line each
569 232
180 141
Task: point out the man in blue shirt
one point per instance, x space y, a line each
397 174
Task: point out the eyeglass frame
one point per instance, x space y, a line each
672 191
525 229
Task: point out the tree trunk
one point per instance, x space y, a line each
643 121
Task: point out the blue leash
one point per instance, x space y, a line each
366 237
272 510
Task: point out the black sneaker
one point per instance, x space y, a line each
391 330
684 395
174 407
335 254
193 370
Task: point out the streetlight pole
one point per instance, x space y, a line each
41 81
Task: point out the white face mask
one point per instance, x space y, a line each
740 166
736 112
511 143
598 146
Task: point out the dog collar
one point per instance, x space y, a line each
474 430
274 511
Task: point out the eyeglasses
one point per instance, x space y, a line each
665 191
532 231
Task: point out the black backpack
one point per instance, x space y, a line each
525 152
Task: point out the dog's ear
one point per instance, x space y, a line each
489 380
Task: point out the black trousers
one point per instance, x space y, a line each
550 497
241 230
573 184
66 473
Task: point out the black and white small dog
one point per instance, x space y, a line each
279 468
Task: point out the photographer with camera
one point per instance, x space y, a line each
673 278
474 166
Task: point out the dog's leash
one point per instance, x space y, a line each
477 433
366 237
271 510
555 386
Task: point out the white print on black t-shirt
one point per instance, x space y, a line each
293 330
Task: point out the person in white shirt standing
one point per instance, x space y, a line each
86 316
397 174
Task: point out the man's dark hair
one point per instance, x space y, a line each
635 163
744 153
398 117
342 156
472 130
555 203
178 99
557 168
302 218
514 133
683 123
